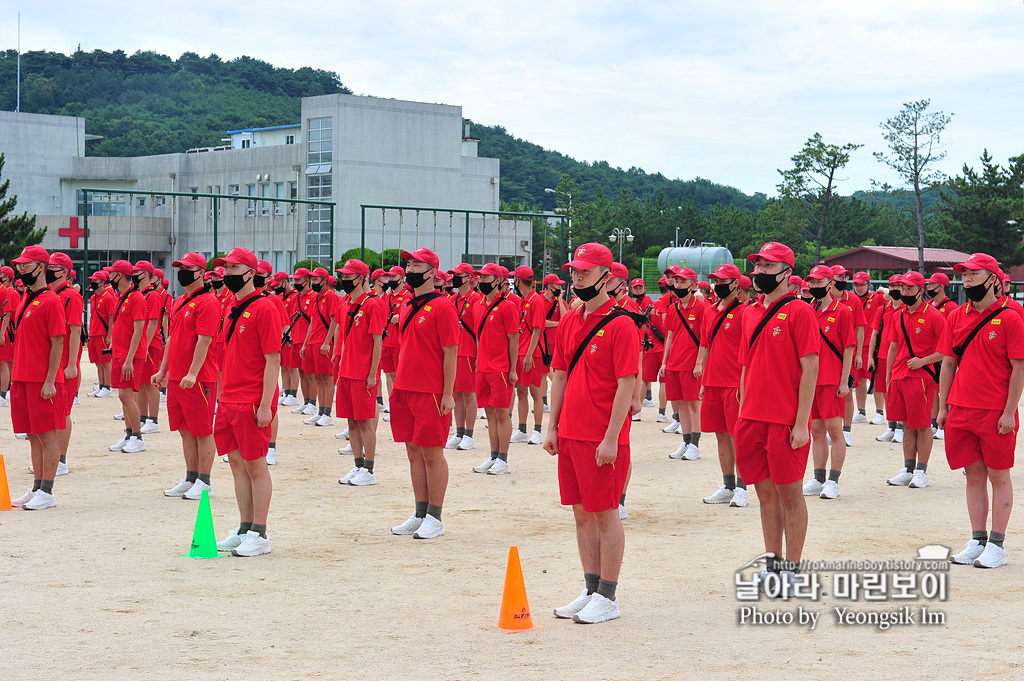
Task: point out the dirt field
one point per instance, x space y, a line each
97 588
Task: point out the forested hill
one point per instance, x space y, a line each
148 103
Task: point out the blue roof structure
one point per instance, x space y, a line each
274 127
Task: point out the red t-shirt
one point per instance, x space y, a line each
40 318
1017 307
925 328
359 321
465 307
99 311
885 317
191 318
590 389
771 380
836 323
423 335
320 312
74 311
492 334
982 380
722 367
394 301
856 305
304 306
282 311
946 307
154 311
124 313
552 313
659 308
533 308
682 353
257 334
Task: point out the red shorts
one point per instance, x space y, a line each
30 413
290 357
863 373
880 385
534 376
317 363
235 428
191 410
117 381
973 435
465 375
353 401
389 359
826 405
416 418
763 452
152 364
493 390
582 481
719 410
650 366
681 386
96 346
7 351
910 400
71 392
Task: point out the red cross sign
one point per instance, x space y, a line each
73 232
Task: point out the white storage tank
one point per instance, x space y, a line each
702 259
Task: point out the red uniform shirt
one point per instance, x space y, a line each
465 307
1013 304
424 331
154 311
946 307
304 306
257 333
39 318
924 328
659 309
836 323
191 318
126 310
492 334
74 311
628 304
722 367
856 305
982 380
532 311
771 379
99 310
553 313
683 351
358 322
870 303
395 300
320 312
282 311
590 389
885 317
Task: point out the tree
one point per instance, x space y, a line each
16 231
914 137
811 182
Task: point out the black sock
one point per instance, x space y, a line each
503 456
862 412
434 511
909 464
154 419
127 432
661 411
819 474
46 486
380 400
308 401
592 582
740 483
545 399
143 418
327 411
138 435
320 411
421 509
243 528
607 589
687 438
879 411
522 427
773 563
648 396
675 417
846 429
622 499
981 536
730 481
261 530
205 478
359 462
468 433
993 537
537 427
494 455
273 445
892 425
368 465
459 432
900 425
923 467
935 424
695 439
833 474
35 485
191 476
63 458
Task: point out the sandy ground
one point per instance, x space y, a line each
97 588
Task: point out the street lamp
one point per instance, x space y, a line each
568 216
620 235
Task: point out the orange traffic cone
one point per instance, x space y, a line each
5 492
515 609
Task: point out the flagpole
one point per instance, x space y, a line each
17 106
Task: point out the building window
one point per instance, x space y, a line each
250 208
320 140
278 261
279 207
142 202
265 205
161 200
104 205
233 189
246 144
318 218
289 139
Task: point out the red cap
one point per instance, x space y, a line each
619 270
331 281
463 268
895 280
673 271
861 278
320 272
775 252
190 260
838 270
492 270
122 267
159 273
165 282
422 255
355 266
725 271
939 278
99 275
796 281
1004 276
9 271
978 261
745 282
61 259
218 271
397 269
278 278
32 254
804 288
302 272
443 276
524 272
913 279
145 266
238 256
637 282
207 276
263 267
552 279
377 274
588 256
818 272
704 285
663 281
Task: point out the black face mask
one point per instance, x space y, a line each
910 301
557 292
681 292
639 296
819 292
840 285
976 294
217 284
931 293
234 282
614 293
259 281
393 285
93 286
28 278
896 296
458 281
766 283
589 292
347 285
723 291
317 287
486 287
51 276
417 279
137 279
187 277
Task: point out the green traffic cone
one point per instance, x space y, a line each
204 541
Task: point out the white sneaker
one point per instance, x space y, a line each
380 407
21 436
860 418
386 418
453 442
178 489
119 416
901 479
252 544
672 427
105 392
519 436
408 527
119 446
76 402
346 450
992 557
920 479
886 436
692 452
312 419
897 437
163 396
62 468
599 609
812 488
467 443
722 495
363 478
622 512
271 456
567 611
680 451
230 543
343 480
830 490
23 499
647 404
740 499
430 527
149 428
940 434
225 459
499 468
289 401
134 445
91 393
972 550
547 409
343 435
485 466
662 418
535 438
196 491
41 501
309 409
324 420
635 417
301 409
878 419
846 436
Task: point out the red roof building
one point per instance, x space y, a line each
896 259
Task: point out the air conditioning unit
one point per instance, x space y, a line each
525 245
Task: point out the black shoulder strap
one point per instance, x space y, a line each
416 304
192 297
352 315
492 308
462 323
686 326
235 314
28 301
615 313
910 346
323 319
764 320
718 324
959 350
121 302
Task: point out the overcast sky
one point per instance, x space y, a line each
725 90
